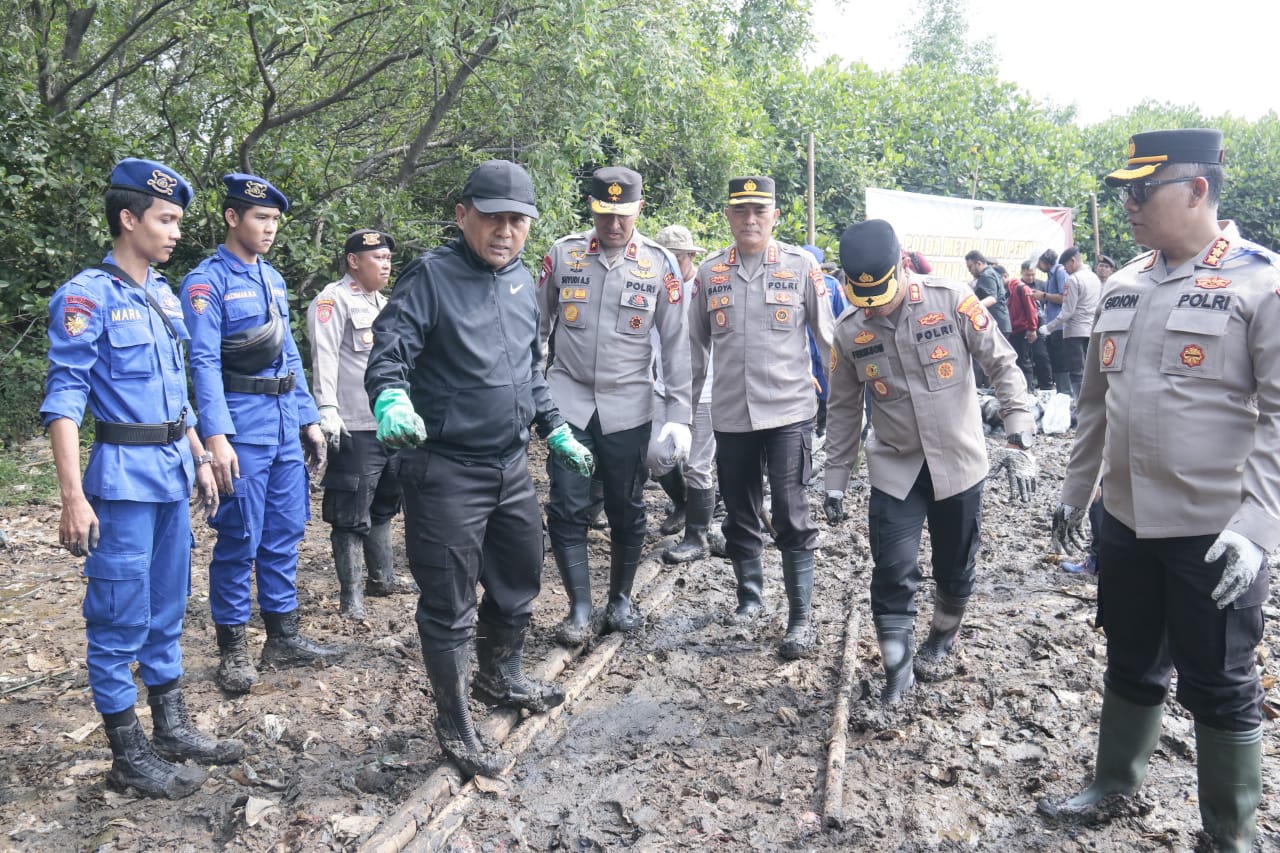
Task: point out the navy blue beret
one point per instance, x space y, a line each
152 178
255 190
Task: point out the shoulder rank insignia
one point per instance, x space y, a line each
1213 258
913 293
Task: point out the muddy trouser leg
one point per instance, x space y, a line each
347 560
620 459
894 528
569 508
955 530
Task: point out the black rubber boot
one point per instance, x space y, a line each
450 676
501 679
1127 735
697 520
286 647
622 614
346 559
797 576
575 573
673 484
749 574
1229 773
934 661
135 765
176 739
380 567
236 673
896 636
595 512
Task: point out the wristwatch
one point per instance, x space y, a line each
1022 439
203 459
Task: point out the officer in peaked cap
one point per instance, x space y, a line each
361 493
116 336
754 301
256 414
1182 355
604 292
911 346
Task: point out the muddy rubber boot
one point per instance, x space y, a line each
135 765
697 520
673 484
1127 735
1229 775
501 680
595 511
175 738
797 577
575 574
895 635
934 661
350 567
749 574
286 647
450 676
622 614
380 567
236 673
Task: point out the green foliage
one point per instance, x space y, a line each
940 39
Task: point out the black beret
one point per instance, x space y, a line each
366 240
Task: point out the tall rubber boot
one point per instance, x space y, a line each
749 574
450 676
135 765
175 738
595 511
895 634
697 520
797 577
673 484
236 673
380 567
934 661
575 573
622 614
501 680
346 559
1229 774
285 646
1127 735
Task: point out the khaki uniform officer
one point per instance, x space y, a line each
604 290
361 494
912 346
1178 408
754 300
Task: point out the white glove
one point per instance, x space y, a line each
332 426
1243 561
680 437
1043 331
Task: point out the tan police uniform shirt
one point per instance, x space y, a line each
1181 396
924 402
763 375
602 315
340 322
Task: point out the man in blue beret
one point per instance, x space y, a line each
255 415
115 344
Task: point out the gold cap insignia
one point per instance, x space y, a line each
373 238
615 191
162 183
865 278
255 189
749 186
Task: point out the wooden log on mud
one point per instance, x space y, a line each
837 742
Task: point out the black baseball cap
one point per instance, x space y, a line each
500 186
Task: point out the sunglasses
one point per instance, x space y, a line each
1139 191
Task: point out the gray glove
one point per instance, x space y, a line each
1244 559
333 427
1068 528
1020 469
833 506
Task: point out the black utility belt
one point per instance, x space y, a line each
273 386
134 434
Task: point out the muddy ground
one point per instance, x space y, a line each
694 735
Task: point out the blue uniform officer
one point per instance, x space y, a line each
116 338
256 413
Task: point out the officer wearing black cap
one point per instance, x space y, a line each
754 300
1177 416
361 494
605 291
911 345
456 375
116 337
255 415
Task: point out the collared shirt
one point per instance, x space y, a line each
1181 393
340 322
111 351
758 324
1079 304
220 297
1055 283
924 401
603 313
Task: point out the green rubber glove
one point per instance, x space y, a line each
571 451
398 424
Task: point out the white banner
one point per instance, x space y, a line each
945 229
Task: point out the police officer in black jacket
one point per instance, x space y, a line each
455 373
